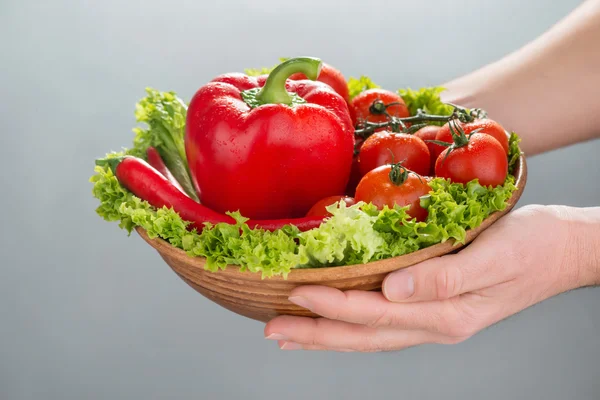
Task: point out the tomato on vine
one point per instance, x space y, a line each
481 125
386 147
428 133
377 105
476 156
392 184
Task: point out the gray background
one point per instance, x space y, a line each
88 313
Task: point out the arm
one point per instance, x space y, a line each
549 90
531 254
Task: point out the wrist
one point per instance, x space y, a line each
582 258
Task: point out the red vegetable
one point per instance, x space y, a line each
320 208
330 76
373 104
386 147
477 156
144 181
427 133
270 151
355 177
389 185
156 161
486 126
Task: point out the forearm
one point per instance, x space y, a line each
548 90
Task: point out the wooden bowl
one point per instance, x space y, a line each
247 294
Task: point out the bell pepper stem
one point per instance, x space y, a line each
274 91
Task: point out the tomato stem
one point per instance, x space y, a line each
459 138
398 174
366 128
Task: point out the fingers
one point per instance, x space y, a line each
283 345
448 276
372 309
323 334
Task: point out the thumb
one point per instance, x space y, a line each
445 277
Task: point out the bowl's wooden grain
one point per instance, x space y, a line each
247 294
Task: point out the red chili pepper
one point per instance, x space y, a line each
147 183
156 161
269 150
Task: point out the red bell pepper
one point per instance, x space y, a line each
333 78
270 149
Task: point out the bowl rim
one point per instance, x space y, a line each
383 266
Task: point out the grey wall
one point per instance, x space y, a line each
87 313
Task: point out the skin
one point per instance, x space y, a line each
515 263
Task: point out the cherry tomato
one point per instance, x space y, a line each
381 189
410 150
319 209
361 105
487 126
426 133
481 158
332 77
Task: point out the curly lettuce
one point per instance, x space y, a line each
164 114
427 99
514 151
358 85
357 234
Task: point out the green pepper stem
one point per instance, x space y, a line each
274 91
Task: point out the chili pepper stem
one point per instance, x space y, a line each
274 91
111 162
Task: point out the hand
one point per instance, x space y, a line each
529 255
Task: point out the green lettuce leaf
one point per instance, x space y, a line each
348 237
426 99
514 151
164 114
357 86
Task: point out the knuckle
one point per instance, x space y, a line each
458 323
448 282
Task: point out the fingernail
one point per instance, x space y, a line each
291 346
276 336
399 286
301 301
